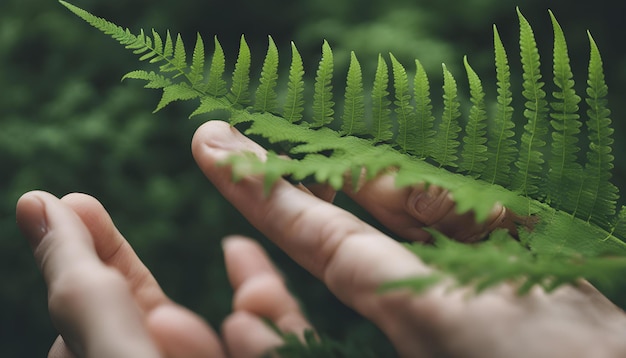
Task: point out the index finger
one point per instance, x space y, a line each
351 257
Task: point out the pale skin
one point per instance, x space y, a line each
105 302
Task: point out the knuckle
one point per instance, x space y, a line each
429 205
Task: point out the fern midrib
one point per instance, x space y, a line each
500 144
447 133
533 122
404 143
601 163
474 143
352 119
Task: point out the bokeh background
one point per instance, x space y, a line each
67 124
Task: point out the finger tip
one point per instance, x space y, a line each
207 133
83 204
235 242
182 333
246 335
31 215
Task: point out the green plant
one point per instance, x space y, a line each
560 192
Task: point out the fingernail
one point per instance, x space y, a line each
31 218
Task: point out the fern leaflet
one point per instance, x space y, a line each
425 142
404 110
239 93
353 120
381 119
530 162
216 85
600 195
501 145
196 74
266 97
294 104
323 97
563 165
474 149
446 141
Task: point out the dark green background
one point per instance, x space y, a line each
67 124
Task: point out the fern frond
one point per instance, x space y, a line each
381 114
323 104
216 86
294 103
265 99
565 172
474 154
600 195
501 146
404 110
425 140
239 93
353 120
555 247
530 161
446 140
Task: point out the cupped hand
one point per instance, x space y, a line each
105 302
353 259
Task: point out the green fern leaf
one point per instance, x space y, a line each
180 55
404 110
565 172
157 45
600 195
530 162
323 96
147 49
212 104
196 74
501 146
425 141
353 119
169 64
294 103
176 92
168 49
155 80
216 85
265 99
239 93
381 114
446 140
474 152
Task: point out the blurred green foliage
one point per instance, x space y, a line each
67 124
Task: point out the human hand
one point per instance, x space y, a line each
106 303
353 259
